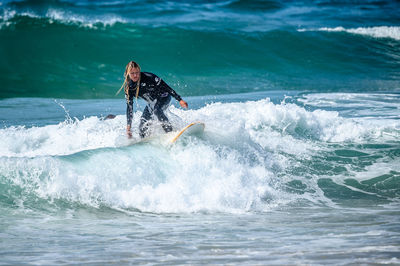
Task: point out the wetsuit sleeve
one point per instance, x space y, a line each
170 90
129 112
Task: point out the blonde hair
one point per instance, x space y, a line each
125 84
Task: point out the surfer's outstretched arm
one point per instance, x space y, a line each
173 93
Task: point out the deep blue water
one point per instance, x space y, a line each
78 49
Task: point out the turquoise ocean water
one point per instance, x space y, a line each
299 162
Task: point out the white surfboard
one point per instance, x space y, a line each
194 128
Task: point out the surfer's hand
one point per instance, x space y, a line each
128 132
183 104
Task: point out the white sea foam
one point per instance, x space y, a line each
83 20
366 106
64 138
273 126
237 166
392 32
9 14
63 16
149 178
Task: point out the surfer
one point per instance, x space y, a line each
154 91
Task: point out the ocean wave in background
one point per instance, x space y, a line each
78 50
377 32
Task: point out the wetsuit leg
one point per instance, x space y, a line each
159 107
144 122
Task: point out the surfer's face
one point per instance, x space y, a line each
134 74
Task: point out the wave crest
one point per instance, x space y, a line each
392 32
62 16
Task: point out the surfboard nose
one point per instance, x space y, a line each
192 129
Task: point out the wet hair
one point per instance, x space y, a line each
125 84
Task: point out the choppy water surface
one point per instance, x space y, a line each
308 178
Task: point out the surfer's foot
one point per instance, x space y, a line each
167 127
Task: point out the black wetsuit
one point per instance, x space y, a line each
157 94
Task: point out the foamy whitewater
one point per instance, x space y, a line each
377 32
260 160
299 163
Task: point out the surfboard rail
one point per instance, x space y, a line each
168 138
201 124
